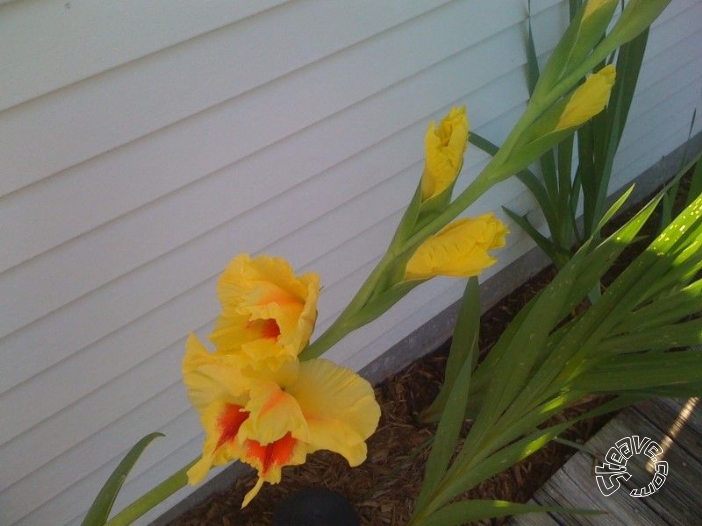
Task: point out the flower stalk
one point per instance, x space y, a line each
152 498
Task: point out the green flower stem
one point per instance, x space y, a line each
151 499
498 169
344 324
491 175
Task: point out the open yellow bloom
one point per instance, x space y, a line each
268 313
444 148
274 418
589 99
460 250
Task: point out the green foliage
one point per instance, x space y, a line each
505 376
676 194
637 341
561 187
102 505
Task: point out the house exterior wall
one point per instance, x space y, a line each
144 144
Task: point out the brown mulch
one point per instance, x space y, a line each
383 488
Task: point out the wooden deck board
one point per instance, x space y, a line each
679 500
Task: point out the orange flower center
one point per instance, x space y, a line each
268 329
229 423
276 453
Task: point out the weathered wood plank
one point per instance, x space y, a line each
574 487
675 502
674 424
672 415
537 519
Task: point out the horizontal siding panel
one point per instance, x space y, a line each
172 85
166 368
158 372
78 463
48 45
123 348
116 183
27 453
72 281
678 108
351 154
671 74
68 505
670 132
662 49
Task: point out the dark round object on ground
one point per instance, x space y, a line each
315 507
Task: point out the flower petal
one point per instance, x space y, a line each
221 422
444 148
459 250
252 492
270 459
273 414
589 99
209 378
339 406
263 301
254 343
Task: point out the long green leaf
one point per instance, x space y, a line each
594 264
483 376
611 123
475 510
564 206
464 346
507 383
549 248
614 208
532 59
655 338
641 372
664 310
446 436
636 17
465 473
102 505
587 175
696 182
526 176
687 390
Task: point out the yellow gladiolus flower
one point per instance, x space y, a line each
268 313
589 99
274 418
444 148
460 250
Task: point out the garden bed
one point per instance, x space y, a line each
384 488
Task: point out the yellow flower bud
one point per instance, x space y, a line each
589 99
460 250
592 6
444 148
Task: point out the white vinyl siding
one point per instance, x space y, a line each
144 144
